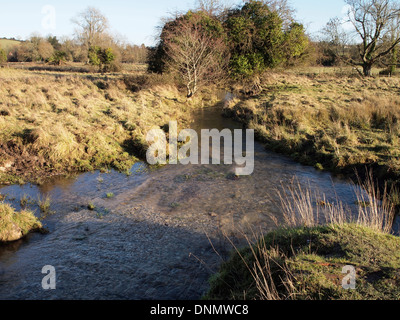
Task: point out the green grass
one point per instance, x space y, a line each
331 122
66 122
91 206
15 225
307 263
44 204
7 44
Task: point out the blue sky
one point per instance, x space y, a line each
135 20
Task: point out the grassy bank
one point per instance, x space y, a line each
307 263
58 122
15 225
308 256
332 122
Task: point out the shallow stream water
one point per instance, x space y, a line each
156 237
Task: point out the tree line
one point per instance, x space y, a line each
213 42
91 36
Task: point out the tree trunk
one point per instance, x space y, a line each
367 68
189 91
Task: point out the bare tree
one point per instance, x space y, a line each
283 8
373 22
91 26
392 58
339 40
195 54
213 7
45 50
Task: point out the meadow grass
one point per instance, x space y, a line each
53 123
8 44
337 123
44 204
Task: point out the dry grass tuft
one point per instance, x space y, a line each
14 225
302 207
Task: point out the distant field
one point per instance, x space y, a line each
8 44
338 71
29 69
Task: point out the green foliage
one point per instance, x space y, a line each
54 42
209 24
258 40
255 35
91 206
247 65
103 58
296 43
58 58
156 59
107 56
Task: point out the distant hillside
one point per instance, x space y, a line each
7 44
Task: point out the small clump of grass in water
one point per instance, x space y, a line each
101 213
100 179
110 195
91 206
23 201
44 204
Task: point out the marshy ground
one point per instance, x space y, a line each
152 234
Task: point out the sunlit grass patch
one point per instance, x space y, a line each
71 123
14 225
338 123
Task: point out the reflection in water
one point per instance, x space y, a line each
146 241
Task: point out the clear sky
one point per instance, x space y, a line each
135 20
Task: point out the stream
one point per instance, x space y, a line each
156 237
